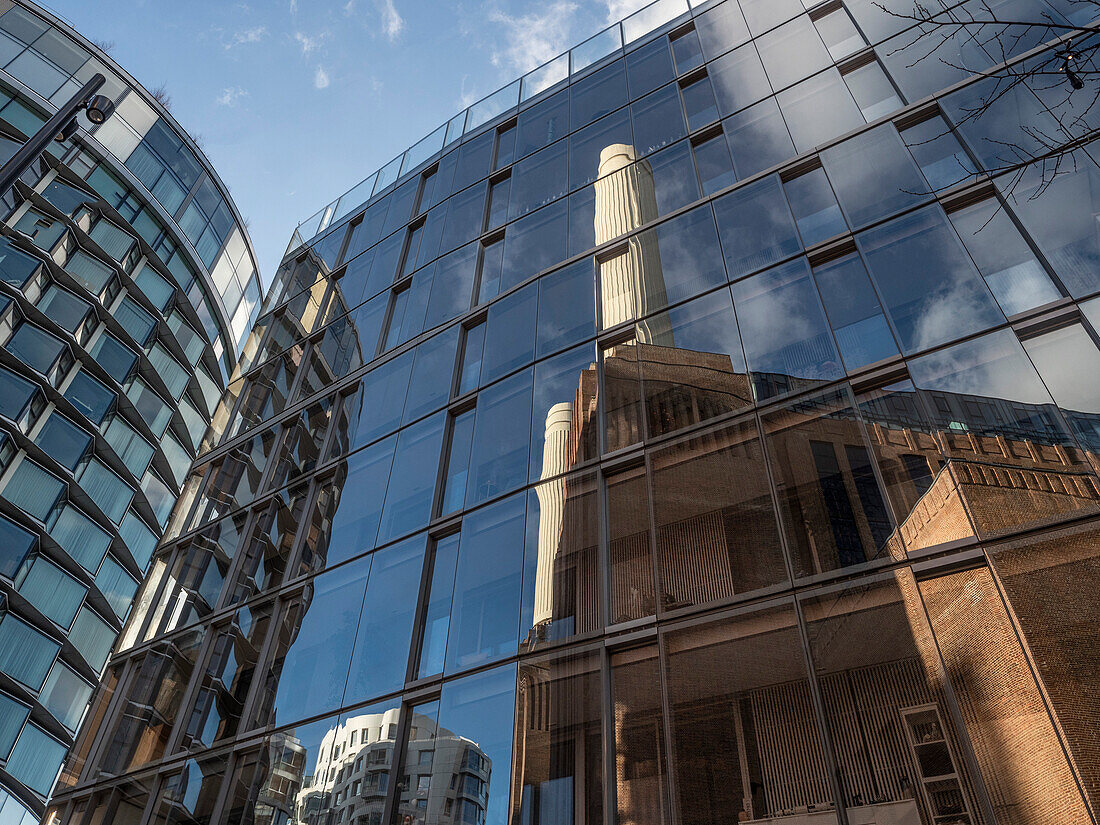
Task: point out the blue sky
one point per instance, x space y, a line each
295 101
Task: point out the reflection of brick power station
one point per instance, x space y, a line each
900 757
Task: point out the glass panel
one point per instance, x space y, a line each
713 162
452 287
658 120
818 110
472 350
699 103
357 495
488 582
36 348
792 52
890 692
25 654
534 243
938 153
839 34
787 340
862 333
63 441
537 180
458 463
649 67
1063 357
687 51
566 308
633 595
558 745
739 79
498 461
437 611
591 149
489 271
758 138
747 742
419 768
465 217
411 489
834 512
641 797
432 374
874 93
374 408
814 206
755 226
597 94
720 28
33 490
929 285
509 333
1011 271
542 124
563 427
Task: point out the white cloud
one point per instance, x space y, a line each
533 38
230 96
253 35
467 97
618 9
293 6
349 7
309 44
320 78
392 22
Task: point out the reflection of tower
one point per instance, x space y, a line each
551 507
631 284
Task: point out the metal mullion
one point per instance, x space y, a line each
824 737
112 713
773 493
671 787
607 707
198 675
603 547
263 662
236 562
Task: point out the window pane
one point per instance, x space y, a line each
485 609
452 287
322 625
465 218
35 348
687 51
63 441
792 52
375 407
713 162
558 742
33 490
538 179
542 124
737 688
15 545
590 148
938 153
1016 279
633 595
814 206
473 160
834 513
68 311
597 94
818 110
1063 357
874 93
931 289
358 493
873 175
472 350
56 594
649 67
564 419
839 34
658 120
458 463
509 333
694 369
534 243
498 462
720 28
25 654
787 341
432 374
640 794
862 333
382 640
699 103
566 308
758 138
756 227
412 481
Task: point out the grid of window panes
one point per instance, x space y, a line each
560 487
47 57
108 379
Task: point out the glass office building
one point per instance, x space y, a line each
688 433
126 283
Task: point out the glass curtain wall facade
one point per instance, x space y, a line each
704 440
115 348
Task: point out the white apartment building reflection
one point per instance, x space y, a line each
446 776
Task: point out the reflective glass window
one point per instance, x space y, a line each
543 123
474 159
588 148
641 777
674 181
538 179
1011 271
787 340
15 545
622 395
755 226
534 243
36 348
862 332
485 608
699 104
408 305
26 654
930 287
465 217
686 51
510 333
732 686
739 79
15 394
938 153
691 364
873 175
458 463
489 270
55 593
658 120
874 93
792 52
322 622
633 595
437 611
452 286
721 28
833 510
649 67
597 94
498 460
762 15
566 308
717 535
63 441
714 165
564 413
758 138
432 374
1062 357
358 491
499 192
384 633
818 110
33 490
411 487
839 34
69 312
506 146
473 349
814 205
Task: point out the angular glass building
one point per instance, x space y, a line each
126 284
690 432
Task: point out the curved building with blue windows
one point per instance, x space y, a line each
704 428
127 283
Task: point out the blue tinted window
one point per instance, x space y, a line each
658 120
510 333
432 374
739 79
543 123
90 396
597 94
534 243
588 148
453 286
649 67
35 348
758 138
15 394
498 461
63 441
412 480
861 330
375 407
559 383
25 654
755 226
357 501
114 356
15 545
539 179
566 308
